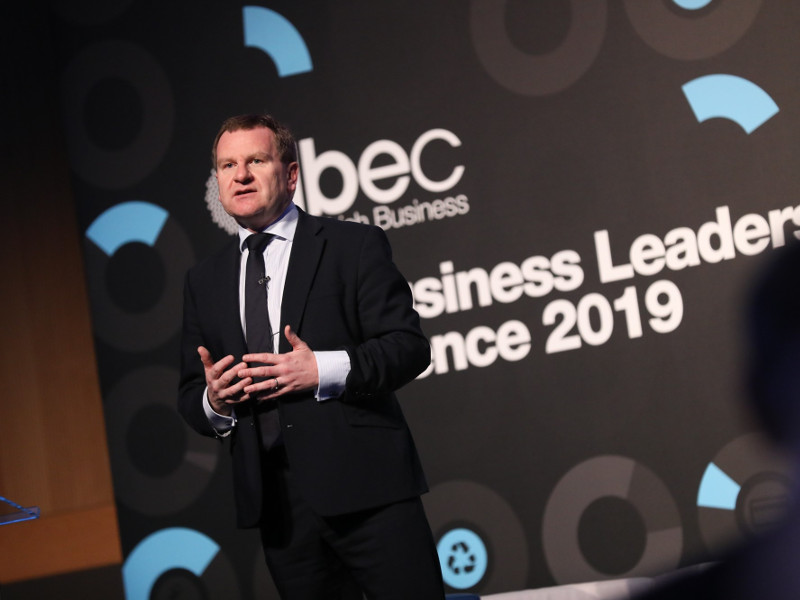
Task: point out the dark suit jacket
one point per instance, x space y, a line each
342 292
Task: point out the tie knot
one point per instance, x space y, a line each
257 242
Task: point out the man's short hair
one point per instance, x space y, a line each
287 149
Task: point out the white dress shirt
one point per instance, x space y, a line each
333 366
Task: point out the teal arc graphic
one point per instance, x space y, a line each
730 97
133 221
692 4
717 489
162 551
275 35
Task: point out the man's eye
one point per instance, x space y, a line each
257 161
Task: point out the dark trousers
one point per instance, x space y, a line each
388 553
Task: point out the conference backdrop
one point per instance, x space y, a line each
578 193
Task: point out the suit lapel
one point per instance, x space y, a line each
303 262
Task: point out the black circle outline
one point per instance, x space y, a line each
154 496
534 75
609 475
117 169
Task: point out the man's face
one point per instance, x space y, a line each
255 186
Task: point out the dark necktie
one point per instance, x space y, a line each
259 332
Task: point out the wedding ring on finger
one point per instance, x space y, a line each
277 385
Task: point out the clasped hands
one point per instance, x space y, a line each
279 374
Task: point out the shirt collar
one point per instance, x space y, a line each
283 228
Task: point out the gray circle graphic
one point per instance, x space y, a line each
534 75
601 477
147 494
138 332
761 476
468 503
691 37
117 168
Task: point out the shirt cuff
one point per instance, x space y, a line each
333 367
221 424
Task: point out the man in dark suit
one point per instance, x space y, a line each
323 461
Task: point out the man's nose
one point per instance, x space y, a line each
242 172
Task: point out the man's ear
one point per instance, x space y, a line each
293 169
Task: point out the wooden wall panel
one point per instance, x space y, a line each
53 450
